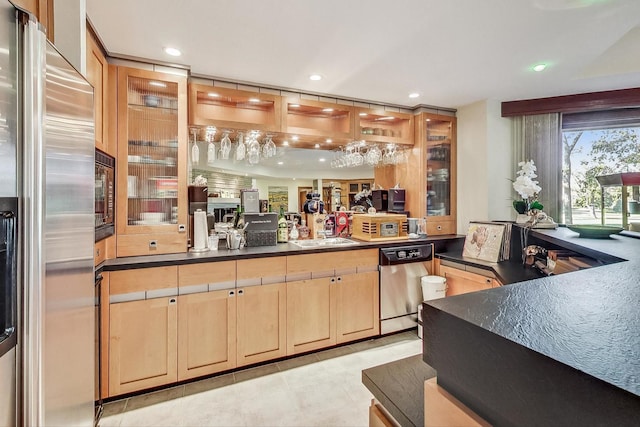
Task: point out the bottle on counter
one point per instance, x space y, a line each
294 234
303 230
236 216
283 231
240 223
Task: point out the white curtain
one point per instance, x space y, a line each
538 138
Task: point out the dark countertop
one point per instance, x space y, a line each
399 387
223 254
588 320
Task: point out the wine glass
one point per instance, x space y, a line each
225 145
209 137
195 151
241 149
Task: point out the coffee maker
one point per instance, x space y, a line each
197 197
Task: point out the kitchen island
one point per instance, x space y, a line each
558 350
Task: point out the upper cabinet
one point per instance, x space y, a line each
437 137
98 76
320 122
384 126
152 163
233 109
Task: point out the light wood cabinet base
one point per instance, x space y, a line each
441 409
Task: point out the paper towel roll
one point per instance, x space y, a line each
200 234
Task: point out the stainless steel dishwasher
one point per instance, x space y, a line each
401 268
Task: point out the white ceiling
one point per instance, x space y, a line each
452 52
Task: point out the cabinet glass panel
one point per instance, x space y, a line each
152 182
438 167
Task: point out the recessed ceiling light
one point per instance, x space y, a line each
322 159
428 120
414 95
157 84
294 105
363 114
254 100
213 94
285 143
328 141
280 163
294 137
317 146
327 110
539 67
172 51
315 77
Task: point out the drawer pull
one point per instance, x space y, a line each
153 244
439 228
182 228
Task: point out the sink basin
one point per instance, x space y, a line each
322 243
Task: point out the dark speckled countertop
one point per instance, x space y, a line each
441 243
588 320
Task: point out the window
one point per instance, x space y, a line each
596 144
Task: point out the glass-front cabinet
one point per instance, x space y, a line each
152 166
384 126
437 136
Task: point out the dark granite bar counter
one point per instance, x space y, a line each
399 387
557 350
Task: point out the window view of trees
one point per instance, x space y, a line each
588 154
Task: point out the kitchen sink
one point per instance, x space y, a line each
322 243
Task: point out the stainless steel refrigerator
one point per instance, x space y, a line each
47 222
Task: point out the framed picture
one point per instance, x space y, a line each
484 241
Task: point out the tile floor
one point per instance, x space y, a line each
319 389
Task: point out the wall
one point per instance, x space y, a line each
484 164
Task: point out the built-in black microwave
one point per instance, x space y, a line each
105 195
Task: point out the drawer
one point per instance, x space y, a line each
209 272
326 261
141 244
262 267
143 279
440 227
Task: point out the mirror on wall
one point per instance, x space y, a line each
293 171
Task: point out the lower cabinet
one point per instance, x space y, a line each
461 281
206 333
311 314
357 306
142 344
332 310
261 323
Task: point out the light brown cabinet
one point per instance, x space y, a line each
336 300
385 127
142 344
311 314
234 109
326 124
151 188
98 76
261 321
206 333
357 306
461 281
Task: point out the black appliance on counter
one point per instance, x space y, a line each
396 199
261 229
380 200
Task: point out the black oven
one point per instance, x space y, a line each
104 195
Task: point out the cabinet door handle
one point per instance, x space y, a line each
339 279
172 301
240 292
333 280
232 293
488 281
